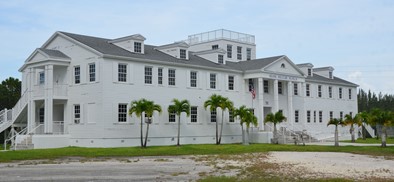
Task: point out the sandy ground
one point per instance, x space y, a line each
191 168
332 164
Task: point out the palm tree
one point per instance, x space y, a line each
241 113
213 103
178 107
249 119
144 106
364 117
383 118
349 120
336 122
224 104
275 118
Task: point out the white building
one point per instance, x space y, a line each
77 90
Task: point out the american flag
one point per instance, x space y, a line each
253 92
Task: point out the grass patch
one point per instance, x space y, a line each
372 140
205 149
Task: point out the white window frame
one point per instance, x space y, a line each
296 116
340 90
266 86
122 72
248 53
172 77
307 90
148 75
330 92
308 116
193 79
319 91
92 72
212 80
239 52
220 59
295 89
229 51
160 76
182 53
138 47
122 113
193 114
171 117
77 113
213 116
231 82
77 74
41 78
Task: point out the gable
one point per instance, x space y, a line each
285 66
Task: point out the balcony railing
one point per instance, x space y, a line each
221 34
58 90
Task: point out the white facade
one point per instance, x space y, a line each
76 87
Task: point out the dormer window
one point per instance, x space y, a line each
215 47
220 59
309 72
182 53
137 47
330 75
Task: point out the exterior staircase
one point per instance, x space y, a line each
25 144
9 116
287 136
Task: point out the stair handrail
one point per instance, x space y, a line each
19 105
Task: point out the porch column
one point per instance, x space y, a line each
276 97
48 119
303 94
31 105
261 103
290 103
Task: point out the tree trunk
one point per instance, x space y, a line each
221 128
179 129
146 134
352 133
383 136
217 132
336 136
243 134
364 132
142 136
275 140
247 136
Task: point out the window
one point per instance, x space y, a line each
77 74
41 115
77 113
148 75
330 92
41 79
248 53
182 53
230 116
295 88
212 81
251 84
314 116
239 52
319 90
122 113
213 116
351 114
283 65
320 116
160 76
309 72
92 72
296 116
137 47
331 115
220 59
193 114
215 47
266 87
171 77
122 72
231 82
229 51
171 117
193 79
350 94
280 88
340 93
307 89
308 116
341 115
330 74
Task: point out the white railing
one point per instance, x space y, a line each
220 34
60 90
19 105
39 91
58 127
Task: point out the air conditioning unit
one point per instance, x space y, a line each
76 121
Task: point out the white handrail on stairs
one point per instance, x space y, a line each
22 132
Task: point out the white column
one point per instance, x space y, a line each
260 107
290 103
303 94
48 119
276 97
31 105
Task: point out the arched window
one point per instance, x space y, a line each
283 65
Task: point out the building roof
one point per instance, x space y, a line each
54 53
317 78
253 64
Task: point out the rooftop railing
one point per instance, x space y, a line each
221 34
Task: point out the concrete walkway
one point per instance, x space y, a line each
347 144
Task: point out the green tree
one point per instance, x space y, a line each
225 104
139 108
178 108
336 122
242 113
351 121
10 92
213 103
384 119
364 117
275 118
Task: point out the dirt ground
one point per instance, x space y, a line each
286 166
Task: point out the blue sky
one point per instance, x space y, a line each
356 37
